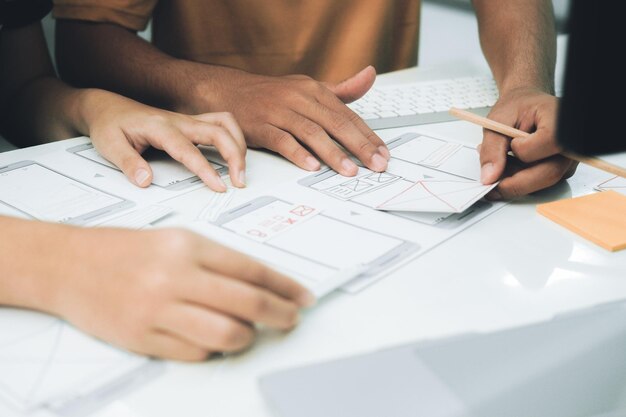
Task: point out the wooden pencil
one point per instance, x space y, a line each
516 133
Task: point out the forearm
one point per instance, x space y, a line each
129 65
44 110
31 262
34 105
518 39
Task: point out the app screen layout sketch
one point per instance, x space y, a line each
308 243
46 363
167 173
429 176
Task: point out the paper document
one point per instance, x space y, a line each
139 218
435 175
45 194
217 204
617 184
167 172
441 196
432 178
46 363
304 242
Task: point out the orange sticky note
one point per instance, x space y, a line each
599 217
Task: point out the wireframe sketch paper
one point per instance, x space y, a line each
414 158
216 205
32 190
425 174
617 184
45 194
46 363
307 243
167 172
60 186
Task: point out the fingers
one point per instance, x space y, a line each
168 346
232 264
243 301
285 144
348 129
534 178
116 149
539 145
206 329
226 145
181 149
493 151
319 142
354 87
228 122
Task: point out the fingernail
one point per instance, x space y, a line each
218 183
307 299
242 177
384 152
141 175
494 195
486 173
349 167
379 163
312 163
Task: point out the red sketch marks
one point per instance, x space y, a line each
302 211
256 233
450 193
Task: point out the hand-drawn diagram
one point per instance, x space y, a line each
368 182
615 183
428 180
287 237
44 362
432 195
167 173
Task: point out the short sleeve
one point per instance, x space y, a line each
18 13
131 14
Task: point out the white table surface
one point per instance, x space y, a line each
514 267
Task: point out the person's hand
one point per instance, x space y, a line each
538 164
297 117
121 129
170 293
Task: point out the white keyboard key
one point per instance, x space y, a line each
384 114
425 102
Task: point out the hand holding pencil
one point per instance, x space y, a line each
539 163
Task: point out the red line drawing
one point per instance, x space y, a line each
423 184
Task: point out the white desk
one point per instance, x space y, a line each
514 267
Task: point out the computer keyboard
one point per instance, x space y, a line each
425 102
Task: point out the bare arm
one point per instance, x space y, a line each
35 105
77 273
278 113
518 39
197 297
38 107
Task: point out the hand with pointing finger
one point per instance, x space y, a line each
121 129
538 164
299 117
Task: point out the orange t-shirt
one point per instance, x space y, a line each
326 39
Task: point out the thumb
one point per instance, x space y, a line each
493 151
120 153
354 87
